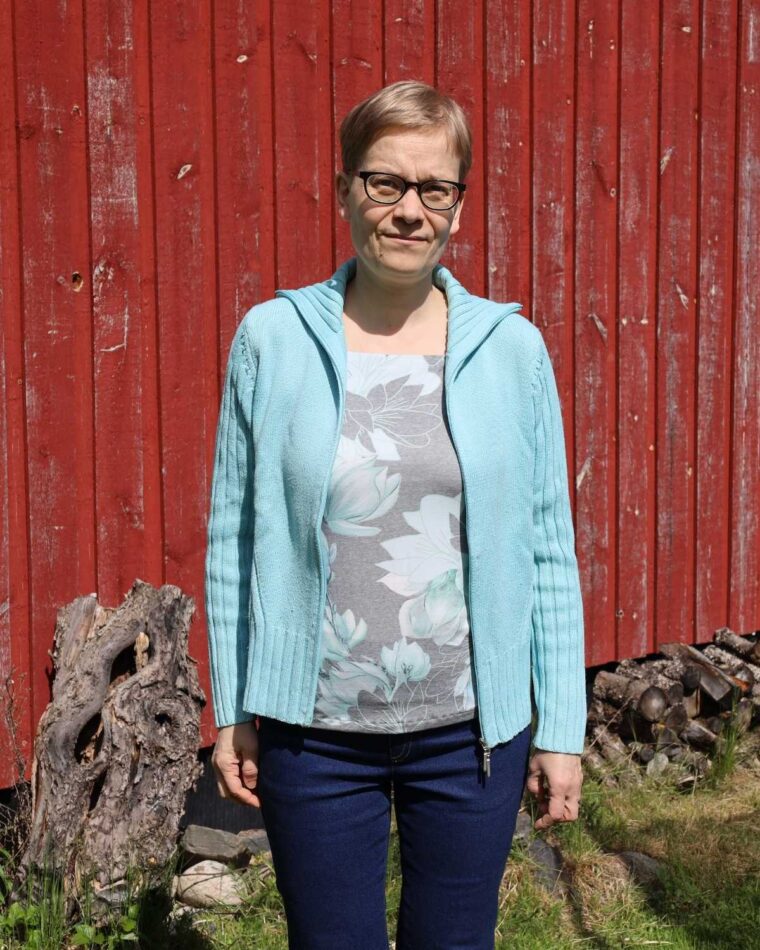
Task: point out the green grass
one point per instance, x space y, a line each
707 895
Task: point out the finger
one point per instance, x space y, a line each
249 771
535 776
555 810
230 777
535 785
241 794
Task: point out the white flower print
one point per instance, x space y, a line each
360 492
405 662
463 688
386 405
340 632
419 558
439 612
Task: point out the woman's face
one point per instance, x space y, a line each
415 155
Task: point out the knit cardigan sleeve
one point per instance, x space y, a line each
557 638
229 550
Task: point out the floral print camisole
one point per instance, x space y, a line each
396 646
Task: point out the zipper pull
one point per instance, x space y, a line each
486 756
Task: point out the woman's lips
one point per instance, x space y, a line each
406 240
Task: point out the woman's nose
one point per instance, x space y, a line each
409 207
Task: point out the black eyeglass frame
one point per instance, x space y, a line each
417 185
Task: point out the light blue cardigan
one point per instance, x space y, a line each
277 434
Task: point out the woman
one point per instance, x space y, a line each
391 562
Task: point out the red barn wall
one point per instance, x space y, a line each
164 166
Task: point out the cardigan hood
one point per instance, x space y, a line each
470 318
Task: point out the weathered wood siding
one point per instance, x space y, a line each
166 165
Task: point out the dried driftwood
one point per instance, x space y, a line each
116 749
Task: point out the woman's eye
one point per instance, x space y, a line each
390 183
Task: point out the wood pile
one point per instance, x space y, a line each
677 708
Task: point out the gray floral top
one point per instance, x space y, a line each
396 648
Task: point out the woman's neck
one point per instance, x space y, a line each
385 309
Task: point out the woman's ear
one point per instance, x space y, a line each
342 187
455 222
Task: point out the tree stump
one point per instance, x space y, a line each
116 749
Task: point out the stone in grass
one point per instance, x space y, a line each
209 884
182 920
200 842
255 840
643 868
523 827
548 870
658 764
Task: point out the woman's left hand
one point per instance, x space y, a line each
559 799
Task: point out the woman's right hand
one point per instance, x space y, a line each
236 762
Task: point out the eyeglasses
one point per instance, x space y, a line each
437 194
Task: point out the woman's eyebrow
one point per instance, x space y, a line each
424 177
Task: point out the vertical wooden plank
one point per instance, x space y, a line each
744 584
553 226
357 57
244 161
16 658
716 222
460 73
410 40
636 335
183 94
305 204
596 190
507 150
57 320
245 227
128 479
676 323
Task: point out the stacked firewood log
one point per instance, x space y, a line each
676 708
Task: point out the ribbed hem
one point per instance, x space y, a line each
503 694
281 681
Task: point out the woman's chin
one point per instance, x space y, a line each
403 261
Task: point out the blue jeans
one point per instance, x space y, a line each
326 806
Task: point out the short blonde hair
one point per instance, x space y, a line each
405 104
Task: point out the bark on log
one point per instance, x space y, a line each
719 685
616 689
742 669
656 673
116 749
602 713
681 671
641 669
746 649
610 745
625 691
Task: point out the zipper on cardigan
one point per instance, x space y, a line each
323 575
486 756
325 486
486 749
